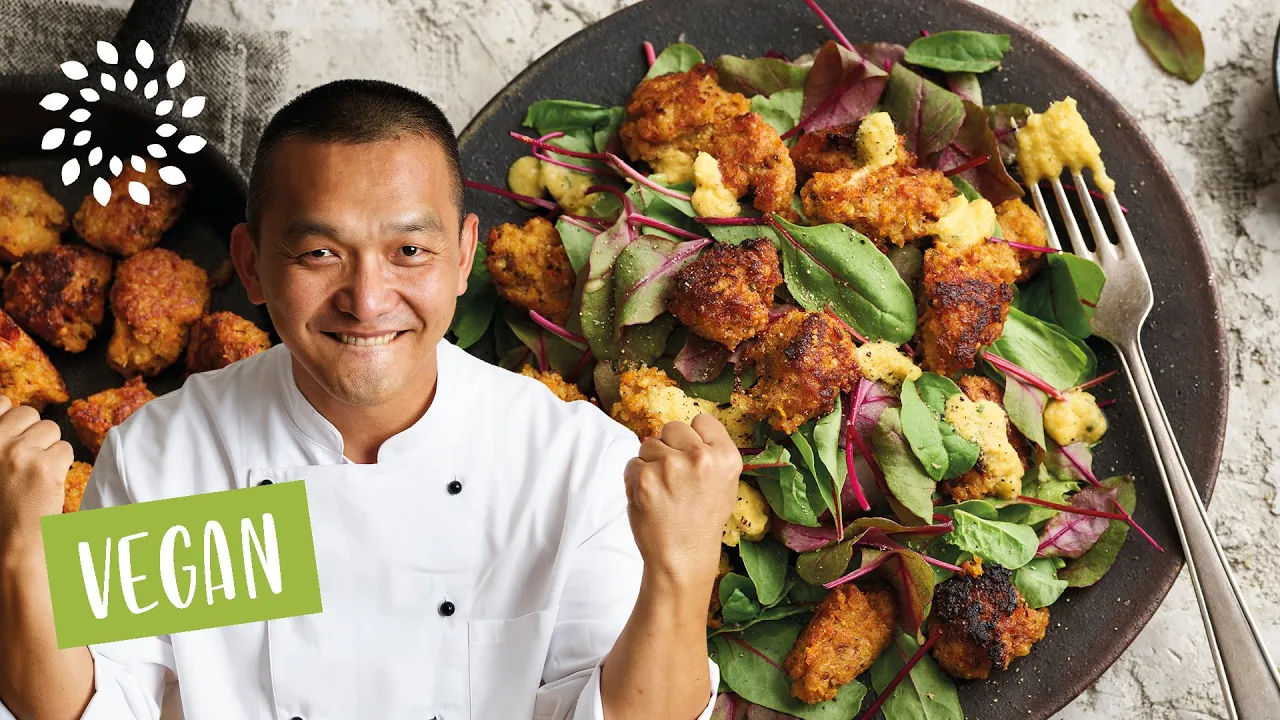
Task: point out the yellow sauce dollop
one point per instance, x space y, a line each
1056 139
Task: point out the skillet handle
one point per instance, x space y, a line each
157 22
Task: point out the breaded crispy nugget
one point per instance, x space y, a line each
804 361
1019 222
826 150
221 338
966 298
530 267
664 112
26 375
73 486
893 204
93 416
156 298
60 294
564 390
977 483
30 219
985 623
649 399
847 632
753 157
726 292
125 227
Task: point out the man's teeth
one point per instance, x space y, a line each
366 341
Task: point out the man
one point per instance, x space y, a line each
479 541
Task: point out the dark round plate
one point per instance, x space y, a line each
1184 338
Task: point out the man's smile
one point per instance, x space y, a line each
365 340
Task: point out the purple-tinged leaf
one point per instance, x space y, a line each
927 115
760 712
643 274
729 707
842 87
701 360
1073 462
1171 37
1004 120
1025 406
965 84
872 399
1090 567
1070 535
803 539
597 313
972 141
759 76
912 580
883 55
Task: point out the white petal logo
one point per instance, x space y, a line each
80 112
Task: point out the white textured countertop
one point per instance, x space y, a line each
1220 136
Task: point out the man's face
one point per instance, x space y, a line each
360 258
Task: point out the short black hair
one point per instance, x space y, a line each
351 111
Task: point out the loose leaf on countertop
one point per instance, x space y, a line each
883 55
965 84
598 323
701 360
781 109
835 266
927 693
973 140
766 563
751 665
1171 37
784 487
577 243
821 566
1025 406
941 451
738 600
958 51
643 273
475 307
1042 349
912 580
677 57
910 485
585 120
1004 120
1070 535
759 76
1038 581
842 87
1071 285
999 542
1090 567
927 115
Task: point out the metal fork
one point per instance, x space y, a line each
1250 681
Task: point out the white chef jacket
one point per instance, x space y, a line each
534 554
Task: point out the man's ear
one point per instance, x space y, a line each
244 255
470 237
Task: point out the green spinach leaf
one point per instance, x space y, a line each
766 563
1043 349
911 487
999 542
784 487
759 76
1038 581
821 566
577 243
958 51
942 452
927 693
677 57
475 307
738 599
781 109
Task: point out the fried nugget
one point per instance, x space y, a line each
726 292
892 204
1019 222
804 361
753 158
984 621
848 631
221 338
125 227
93 416
26 375
826 150
665 114
978 482
563 389
966 297
31 220
60 294
74 484
649 399
156 298
530 267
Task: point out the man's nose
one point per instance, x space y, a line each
368 293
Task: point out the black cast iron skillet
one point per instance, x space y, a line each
123 123
1184 338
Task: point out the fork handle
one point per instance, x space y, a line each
1250 681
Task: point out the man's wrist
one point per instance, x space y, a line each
21 553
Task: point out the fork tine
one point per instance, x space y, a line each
1122 227
1069 219
1101 240
1043 209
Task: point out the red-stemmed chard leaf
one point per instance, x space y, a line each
803 539
965 84
1079 458
597 304
1170 36
643 274
701 360
871 399
842 87
883 55
1069 534
974 141
927 115
1004 120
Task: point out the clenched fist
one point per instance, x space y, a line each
34 460
680 491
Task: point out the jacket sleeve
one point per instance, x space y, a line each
602 586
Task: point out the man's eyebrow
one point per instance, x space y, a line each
427 222
302 227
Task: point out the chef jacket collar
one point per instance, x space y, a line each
430 436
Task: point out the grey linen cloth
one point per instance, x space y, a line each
240 73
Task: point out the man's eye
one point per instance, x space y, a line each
319 253
412 251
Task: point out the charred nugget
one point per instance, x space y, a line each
60 294
156 298
983 620
93 416
221 338
753 158
804 361
726 292
847 632
26 375
31 220
125 227
530 267
826 150
966 297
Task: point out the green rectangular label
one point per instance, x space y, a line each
187 563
